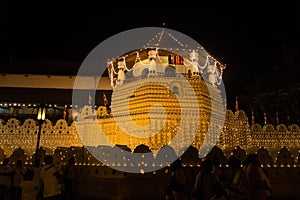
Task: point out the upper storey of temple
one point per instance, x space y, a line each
158 59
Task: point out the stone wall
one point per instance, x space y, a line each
106 183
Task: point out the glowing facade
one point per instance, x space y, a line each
150 104
155 80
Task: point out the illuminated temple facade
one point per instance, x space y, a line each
148 92
99 127
147 96
156 80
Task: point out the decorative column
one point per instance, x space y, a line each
152 58
194 57
121 67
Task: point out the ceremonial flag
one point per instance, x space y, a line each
65 113
277 118
105 99
252 118
265 118
90 99
236 104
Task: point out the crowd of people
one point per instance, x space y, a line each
240 181
48 181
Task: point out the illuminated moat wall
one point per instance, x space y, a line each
236 132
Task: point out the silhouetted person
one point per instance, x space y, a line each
36 167
237 188
218 172
4 179
68 179
234 166
204 183
219 192
50 178
259 185
177 189
17 176
30 186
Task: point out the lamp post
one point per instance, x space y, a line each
41 118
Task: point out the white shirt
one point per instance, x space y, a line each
49 180
30 189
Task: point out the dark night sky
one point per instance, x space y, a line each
259 41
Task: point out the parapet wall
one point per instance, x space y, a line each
270 141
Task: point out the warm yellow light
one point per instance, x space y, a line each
41 113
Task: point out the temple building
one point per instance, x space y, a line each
152 96
148 99
155 79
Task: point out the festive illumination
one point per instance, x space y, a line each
149 75
151 69
236 132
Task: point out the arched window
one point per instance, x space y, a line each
170 72
145 72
